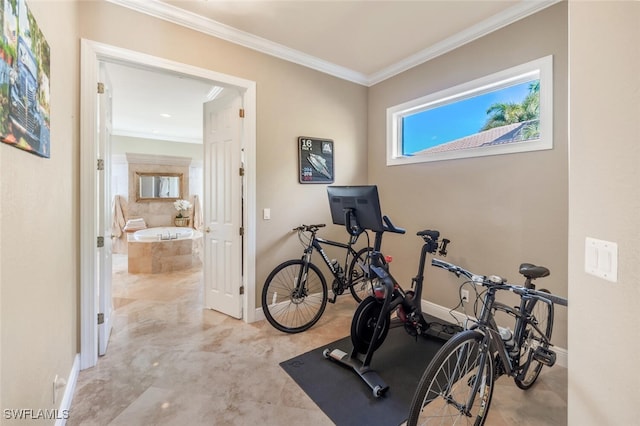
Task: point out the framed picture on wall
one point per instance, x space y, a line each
315 160
24 80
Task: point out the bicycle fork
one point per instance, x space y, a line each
477 382
480 383
299 291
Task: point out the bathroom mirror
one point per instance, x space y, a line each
158 186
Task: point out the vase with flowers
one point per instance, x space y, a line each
183 207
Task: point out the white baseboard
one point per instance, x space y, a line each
259 315
65 404
562 356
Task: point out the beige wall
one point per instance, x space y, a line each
39 277
39 244
292 101
498 211
604 203
40 262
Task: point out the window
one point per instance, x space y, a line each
509 111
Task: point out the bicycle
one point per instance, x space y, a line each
372 319
457 385
295 293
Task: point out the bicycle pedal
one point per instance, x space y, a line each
545 356
333 299
411 330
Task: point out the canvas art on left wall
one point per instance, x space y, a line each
24 80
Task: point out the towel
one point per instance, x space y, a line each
197 221
135 224
118 222
164 187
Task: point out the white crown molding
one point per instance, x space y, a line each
155 136
216 29
515 13
163 160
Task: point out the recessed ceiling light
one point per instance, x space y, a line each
165 115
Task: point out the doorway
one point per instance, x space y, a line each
92 54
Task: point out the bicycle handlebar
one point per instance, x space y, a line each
522 291
311 228
499 283
389 227
458 270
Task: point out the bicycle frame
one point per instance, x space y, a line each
295 293
411 307
481 354
315 243
488 326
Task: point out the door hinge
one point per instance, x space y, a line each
241 289
100 242
241 230
100 88
100 164
100 318
241 171
241 112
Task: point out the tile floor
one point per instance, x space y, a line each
170 362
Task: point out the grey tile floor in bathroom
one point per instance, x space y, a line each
170 362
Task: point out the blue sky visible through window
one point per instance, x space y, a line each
453 121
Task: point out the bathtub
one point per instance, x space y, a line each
163 249
163 233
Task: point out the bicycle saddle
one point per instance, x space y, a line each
434 235
532 271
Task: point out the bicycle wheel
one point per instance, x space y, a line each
359 284
289 307
461 367
364 323
542 316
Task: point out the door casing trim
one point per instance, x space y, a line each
91 54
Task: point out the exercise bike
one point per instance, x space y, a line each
372 319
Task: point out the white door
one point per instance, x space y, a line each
222 204
105 213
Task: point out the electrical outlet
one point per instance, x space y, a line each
58 383
465 295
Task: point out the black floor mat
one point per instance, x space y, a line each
346 398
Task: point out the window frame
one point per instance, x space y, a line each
541 68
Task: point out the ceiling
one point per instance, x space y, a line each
153 105
360 41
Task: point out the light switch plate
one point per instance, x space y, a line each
601 259
266 214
